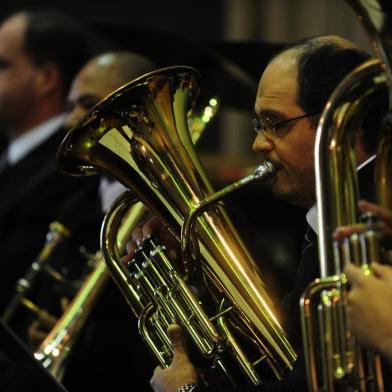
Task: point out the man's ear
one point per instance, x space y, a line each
49 80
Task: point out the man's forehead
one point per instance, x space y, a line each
278 84
12 33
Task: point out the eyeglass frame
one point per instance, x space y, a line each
276 125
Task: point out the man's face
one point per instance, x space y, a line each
291 149
18 76
90 86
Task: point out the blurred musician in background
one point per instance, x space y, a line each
109 341
40 53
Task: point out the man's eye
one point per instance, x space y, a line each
279 125
69 106
4 64
87 102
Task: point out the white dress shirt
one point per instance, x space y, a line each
25 143
311 216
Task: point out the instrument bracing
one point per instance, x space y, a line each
54 350
345 366
56 234
139 135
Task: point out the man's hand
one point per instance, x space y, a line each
368 309
383 214
153 227
181 371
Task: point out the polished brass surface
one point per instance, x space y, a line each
334 361
139 135
54 350
328 342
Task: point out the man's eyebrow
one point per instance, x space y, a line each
269 113
88 96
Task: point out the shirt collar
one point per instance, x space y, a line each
25 143
311 216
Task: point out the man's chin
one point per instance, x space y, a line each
284 194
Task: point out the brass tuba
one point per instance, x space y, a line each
345 366
139 135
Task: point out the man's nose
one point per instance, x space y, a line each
262 144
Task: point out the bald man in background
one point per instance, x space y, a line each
109 343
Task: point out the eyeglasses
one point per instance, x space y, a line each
275 129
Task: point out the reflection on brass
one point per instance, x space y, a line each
140 136
335 361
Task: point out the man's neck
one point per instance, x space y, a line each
39 114
28 141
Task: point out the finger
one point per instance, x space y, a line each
152 227
137 236
157 370
382 212
383 271
354 274
125 260
177 341
131 250
345 231
156 373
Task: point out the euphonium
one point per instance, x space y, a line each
345 366
54 350
139 135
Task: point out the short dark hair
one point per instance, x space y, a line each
320 68
52 36
321 65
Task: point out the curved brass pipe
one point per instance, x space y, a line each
343 367
139 135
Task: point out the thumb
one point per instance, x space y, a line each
383 271
354 274
177 342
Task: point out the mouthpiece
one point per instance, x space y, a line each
264 172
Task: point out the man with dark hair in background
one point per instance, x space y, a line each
40 53
292 93
109 341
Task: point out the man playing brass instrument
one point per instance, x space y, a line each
96 79
292 93
40 53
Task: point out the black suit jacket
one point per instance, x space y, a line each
33 194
